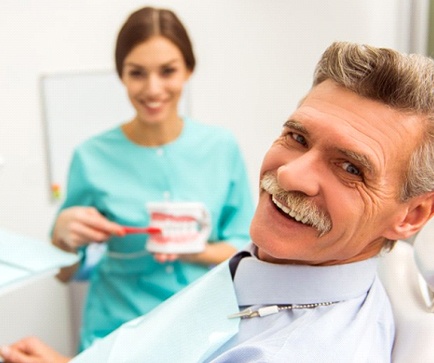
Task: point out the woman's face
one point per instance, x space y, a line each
154 73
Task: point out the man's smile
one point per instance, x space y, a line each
296 206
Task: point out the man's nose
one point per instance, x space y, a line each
301 174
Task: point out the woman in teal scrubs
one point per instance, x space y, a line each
157 156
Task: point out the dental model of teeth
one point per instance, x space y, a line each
184 230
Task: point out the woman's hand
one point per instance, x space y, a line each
78 226
31 350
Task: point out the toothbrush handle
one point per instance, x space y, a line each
143 230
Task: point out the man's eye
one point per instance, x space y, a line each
299 138
350 168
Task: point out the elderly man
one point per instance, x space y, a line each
351 173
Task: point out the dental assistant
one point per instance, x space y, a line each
158 155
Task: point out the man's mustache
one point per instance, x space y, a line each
299 204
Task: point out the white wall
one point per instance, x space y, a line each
255 60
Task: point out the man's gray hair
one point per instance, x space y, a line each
405 82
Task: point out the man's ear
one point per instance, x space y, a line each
419 210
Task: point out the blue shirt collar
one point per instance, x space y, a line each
260 283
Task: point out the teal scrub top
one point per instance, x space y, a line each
118 178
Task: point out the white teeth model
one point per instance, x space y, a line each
173 229
291 213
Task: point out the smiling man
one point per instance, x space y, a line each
351 173
332 182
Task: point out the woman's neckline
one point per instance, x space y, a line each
152 136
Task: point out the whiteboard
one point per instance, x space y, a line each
76 106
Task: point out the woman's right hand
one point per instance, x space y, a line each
79 226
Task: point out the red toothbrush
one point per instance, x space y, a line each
143 230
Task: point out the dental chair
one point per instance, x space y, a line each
407 273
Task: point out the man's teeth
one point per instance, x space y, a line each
281 206
291 213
